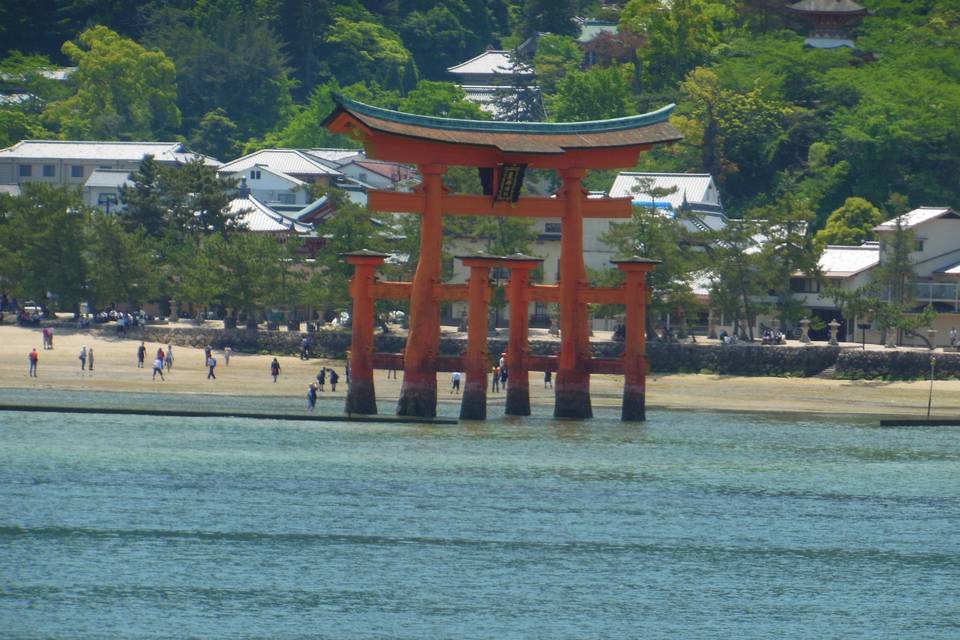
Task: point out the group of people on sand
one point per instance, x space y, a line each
325 375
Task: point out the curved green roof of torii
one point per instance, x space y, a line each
455 124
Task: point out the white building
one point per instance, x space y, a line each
66 162
103 187
289 162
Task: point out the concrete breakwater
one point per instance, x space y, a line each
742 359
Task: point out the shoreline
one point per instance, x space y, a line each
248 377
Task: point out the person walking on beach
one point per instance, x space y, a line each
207 353
169 359
226 355
455 382
503 377
90 359
312 396
50 339
275 369
141 354
305 348
495 374
83 358
158 368
321 378
211 365
548 380
46 338
334 378
33 358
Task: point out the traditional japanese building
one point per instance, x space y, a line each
830 21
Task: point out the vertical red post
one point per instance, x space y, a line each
634 348
474 403
361 396
572 388
518 379
418 392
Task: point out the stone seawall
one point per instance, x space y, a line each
896 364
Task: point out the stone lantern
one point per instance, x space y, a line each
805 331
834 327
932 338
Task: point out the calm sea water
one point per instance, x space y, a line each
694 525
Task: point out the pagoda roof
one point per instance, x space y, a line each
515 137
834 7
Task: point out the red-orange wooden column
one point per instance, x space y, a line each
518 380
477 363
418 392
572 387
634 348
361 396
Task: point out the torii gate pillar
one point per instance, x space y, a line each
634 355
361 396
474 403
418 393
518 379
572 389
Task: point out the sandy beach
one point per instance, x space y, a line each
115 370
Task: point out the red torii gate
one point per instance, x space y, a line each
504 149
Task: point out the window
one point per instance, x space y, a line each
286 198
918 246
804 285
255 174
76 171
26 170
107 200
49 171
363 177
551 227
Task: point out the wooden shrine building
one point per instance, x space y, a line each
501 151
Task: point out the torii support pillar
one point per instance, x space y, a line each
418 392
634 355
474 403
518 379
361 396
572 388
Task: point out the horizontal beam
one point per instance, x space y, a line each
388 290
601 295
543 293
448 292
473 205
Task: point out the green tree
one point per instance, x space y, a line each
366 51
434 37
680 35
41 245
595 94
216 136
122 90
443 99
144 207
249 79
124 264
550 16
733 135
252 268
556 56
851 224
786 248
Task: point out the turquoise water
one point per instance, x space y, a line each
694 525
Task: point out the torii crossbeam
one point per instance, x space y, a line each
500 148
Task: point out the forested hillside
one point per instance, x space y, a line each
772 120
